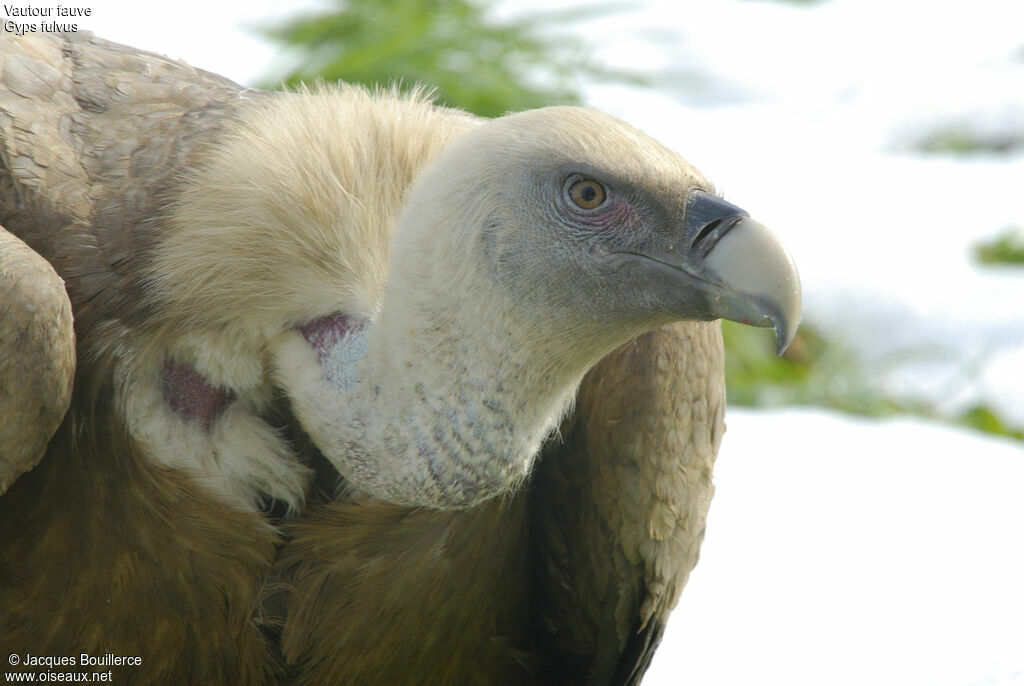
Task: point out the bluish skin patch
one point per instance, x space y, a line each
340 342
190 395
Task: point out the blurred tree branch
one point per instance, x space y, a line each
472 61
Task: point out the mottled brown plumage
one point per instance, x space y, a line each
184 511
104 552
621 504
101 550
37 335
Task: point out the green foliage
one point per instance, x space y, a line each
473 62
985 419
961 140
813 371
1006 248
818 372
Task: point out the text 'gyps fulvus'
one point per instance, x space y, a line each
368 391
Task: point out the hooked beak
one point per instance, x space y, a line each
754 280
741 269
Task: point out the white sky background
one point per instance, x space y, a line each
839 551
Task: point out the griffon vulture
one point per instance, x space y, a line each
368 391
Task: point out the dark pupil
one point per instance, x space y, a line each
588 193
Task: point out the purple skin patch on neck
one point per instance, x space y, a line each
340 342
325 333
190 395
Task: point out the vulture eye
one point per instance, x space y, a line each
587 194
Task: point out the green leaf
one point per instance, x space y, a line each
473 62
819 372
1006 248
986 420
962 140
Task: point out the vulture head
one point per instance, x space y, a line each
529 248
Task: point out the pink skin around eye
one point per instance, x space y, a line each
615 214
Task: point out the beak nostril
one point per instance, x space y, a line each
708 219
705 232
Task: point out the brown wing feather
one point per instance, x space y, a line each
380 594
93 137
101 549
37 362
620 505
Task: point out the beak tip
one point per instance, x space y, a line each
784 333
762 279
786 319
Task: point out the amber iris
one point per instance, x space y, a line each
587 194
